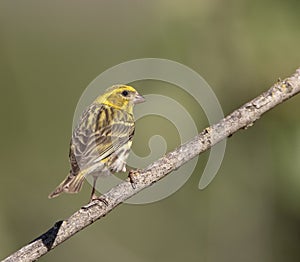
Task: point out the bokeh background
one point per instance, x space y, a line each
51 50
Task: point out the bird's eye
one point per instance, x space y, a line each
125 93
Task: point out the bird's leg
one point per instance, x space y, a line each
94 197
93 194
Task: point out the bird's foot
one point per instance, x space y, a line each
101 199
94 201
131 176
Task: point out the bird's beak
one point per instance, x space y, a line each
138 99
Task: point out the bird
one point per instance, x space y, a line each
101 141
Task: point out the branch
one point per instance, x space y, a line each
241 118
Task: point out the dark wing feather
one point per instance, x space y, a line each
101 132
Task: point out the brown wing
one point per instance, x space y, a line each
101 132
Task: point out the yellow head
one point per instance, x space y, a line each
122 97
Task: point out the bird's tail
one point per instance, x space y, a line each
72 184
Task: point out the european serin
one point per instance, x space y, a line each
101 142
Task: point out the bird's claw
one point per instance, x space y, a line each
131 176
94 201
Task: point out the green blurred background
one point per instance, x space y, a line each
51 50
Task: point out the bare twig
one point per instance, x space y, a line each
241 118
